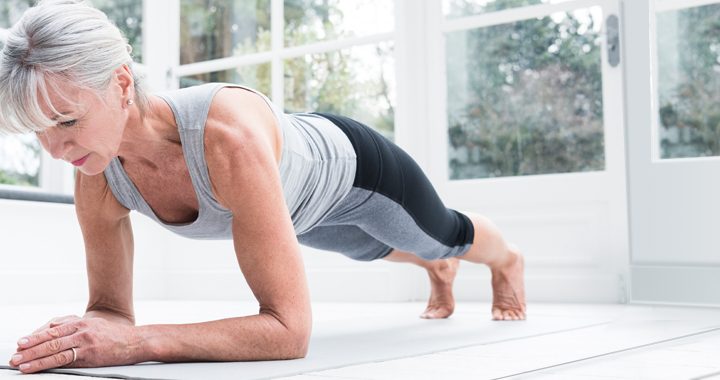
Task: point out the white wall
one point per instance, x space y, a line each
42 260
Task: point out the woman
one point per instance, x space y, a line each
218 162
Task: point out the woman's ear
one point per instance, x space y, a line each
124 81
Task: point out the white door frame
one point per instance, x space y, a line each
673 202
572 227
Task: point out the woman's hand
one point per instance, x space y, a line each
96 342
57 322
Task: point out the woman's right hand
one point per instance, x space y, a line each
52 323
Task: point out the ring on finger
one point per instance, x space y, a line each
74 355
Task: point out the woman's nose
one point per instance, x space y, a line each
54 143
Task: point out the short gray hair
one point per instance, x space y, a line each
58 39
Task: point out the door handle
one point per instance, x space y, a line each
612 27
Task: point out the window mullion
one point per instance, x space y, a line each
277 30
512 15
161 43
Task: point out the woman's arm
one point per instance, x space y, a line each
242 154
242 162
108 238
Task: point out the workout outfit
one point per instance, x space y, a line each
347 188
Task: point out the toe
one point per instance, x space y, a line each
430 313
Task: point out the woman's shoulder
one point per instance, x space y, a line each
94 198
237 114
242 141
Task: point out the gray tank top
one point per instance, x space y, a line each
317 167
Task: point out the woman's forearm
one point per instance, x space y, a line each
257 337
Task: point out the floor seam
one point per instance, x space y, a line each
614 353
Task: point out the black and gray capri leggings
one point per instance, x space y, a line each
392 205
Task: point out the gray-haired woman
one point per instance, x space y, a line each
218 161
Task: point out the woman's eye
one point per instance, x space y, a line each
67 124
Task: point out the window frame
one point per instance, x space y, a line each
278 53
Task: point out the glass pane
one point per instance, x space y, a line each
309 21
211 29
256 77
19 160
127 15
357 82
526 97
460 8
689 82
12 10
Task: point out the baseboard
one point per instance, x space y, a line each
388 283
679 285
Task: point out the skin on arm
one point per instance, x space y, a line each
107 234
242 162
108 238
242 156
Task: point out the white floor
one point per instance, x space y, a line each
636 342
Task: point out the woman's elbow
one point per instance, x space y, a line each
299 341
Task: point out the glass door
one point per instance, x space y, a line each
529 115
675 159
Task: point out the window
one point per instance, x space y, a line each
688 82
525 98
355 82
308 21
253 76
19 155
22 161
12 10
127 16
212 29
328 55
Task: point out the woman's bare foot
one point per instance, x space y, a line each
442 275
509 289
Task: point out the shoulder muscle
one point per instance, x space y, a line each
94 199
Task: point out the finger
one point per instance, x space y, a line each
61 359
47 335
43 350
56 322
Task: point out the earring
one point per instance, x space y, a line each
130 102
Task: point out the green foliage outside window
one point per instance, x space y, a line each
327 82
689 82
526 97
12 10
127 16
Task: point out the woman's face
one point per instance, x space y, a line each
89 134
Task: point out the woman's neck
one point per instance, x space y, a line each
151 138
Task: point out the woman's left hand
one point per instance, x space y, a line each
96 343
